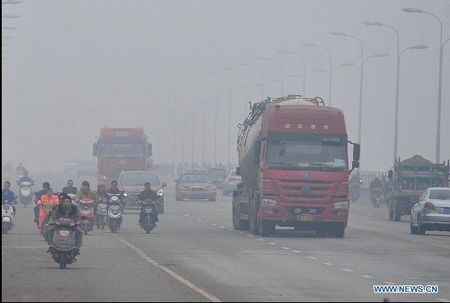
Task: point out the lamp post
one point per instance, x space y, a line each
288 52
361 46
329 66
441 48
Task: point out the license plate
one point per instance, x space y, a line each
306 218
64 233
197 195
446 210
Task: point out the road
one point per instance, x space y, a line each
195 255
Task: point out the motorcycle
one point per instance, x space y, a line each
114 217
44 230
148 220
25 196
7 217
63 247
100 215
376 197
86 207
355 190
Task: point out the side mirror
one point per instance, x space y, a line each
164 184
238 170
356 152
94 149
149 149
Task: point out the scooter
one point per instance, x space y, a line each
114 217
86 207
376 197
149 209
7 216
63 246
100 215
25 192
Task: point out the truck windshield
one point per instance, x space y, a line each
122 150
316 153
138 179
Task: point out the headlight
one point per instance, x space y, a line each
342 205
267 202
211 188
160 192
125 194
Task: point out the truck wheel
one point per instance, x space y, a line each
252 217
413 229
238 224
396 215
266 228
420 228
339 231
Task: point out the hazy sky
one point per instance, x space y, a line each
75 66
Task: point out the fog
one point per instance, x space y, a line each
73 67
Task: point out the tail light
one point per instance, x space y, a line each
429 205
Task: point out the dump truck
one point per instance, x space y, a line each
294 166
409 178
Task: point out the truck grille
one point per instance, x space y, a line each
194 188
304 210
314 191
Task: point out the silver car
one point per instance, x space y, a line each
231 182
432 211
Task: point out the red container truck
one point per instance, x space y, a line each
294 167
121 149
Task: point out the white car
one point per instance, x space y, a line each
231 182
432 211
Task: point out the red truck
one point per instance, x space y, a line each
121 149
294 167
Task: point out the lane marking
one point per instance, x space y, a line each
213 224
311 257
284 247
198 219
297 251
176 276
442 300
387 282
346 269
272 243
367 276
220 226
327 264
260 239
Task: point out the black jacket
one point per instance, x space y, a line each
73 213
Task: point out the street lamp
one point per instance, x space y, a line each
329 66
287 52
8 27
10 16
340 34
441 49
363 63
11 2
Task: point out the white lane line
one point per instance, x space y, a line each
198 219
272 243
221 226
387 282
297 251
176 276
213 224
250 235
346 269
327 264
367 276
285 247
186 215
311 257
261 239
442 300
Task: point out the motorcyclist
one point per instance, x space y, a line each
355 179
66 209
38 194
70 189
45 204
148 196
86 193
101 193
8 196
376 183
115 190
25 178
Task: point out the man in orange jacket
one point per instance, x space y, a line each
45 204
